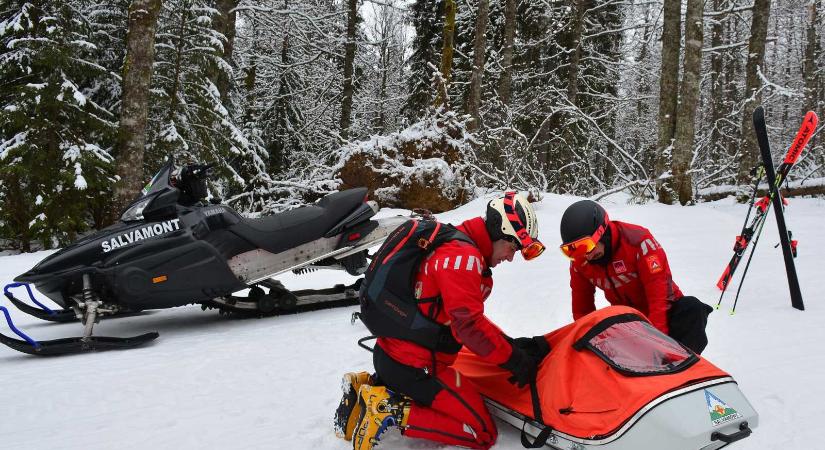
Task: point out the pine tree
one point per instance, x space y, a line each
56 137
427 19
188 118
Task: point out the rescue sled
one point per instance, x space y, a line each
613 382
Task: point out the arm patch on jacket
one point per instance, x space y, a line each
653 264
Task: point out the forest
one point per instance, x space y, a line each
293 99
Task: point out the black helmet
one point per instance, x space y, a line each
582 219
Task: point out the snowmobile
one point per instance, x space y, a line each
614 382
171 248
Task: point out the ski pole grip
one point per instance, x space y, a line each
744 431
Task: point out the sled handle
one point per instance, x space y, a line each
744 431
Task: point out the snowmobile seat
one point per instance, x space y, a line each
288 229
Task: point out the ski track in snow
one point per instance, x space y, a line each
211 381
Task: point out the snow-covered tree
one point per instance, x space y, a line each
188 118
54 137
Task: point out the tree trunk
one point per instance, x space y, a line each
668 95
225 24
575 47
382 91
134 108
717 93
809 64
180 48
506 80
749 151
477 75
688 102
349 64
441 98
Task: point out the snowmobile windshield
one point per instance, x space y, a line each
160 180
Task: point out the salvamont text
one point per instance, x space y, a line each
135 235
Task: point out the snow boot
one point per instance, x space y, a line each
380 409
346 416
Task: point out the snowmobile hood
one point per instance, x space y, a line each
583 395
95 248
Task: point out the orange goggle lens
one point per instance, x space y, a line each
578 248
532 251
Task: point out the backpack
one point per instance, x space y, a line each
389 307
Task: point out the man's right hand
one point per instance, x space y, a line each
522 366
536 347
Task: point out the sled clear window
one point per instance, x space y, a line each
634 347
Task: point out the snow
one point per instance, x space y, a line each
79 181
215 382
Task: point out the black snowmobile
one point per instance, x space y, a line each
172 248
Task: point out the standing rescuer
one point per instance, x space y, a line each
631 267
414 387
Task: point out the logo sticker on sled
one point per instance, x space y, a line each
720 412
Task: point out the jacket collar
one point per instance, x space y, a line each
477 231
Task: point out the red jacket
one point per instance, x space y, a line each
637 275
456 271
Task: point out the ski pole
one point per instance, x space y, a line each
760 172
748 262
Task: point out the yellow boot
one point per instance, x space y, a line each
346 416
380 409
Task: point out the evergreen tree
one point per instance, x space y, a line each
188 119
427 19
55 147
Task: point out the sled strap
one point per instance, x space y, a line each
541 438
546 431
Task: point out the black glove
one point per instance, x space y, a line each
522 366
536 347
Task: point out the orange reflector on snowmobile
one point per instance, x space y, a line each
159 279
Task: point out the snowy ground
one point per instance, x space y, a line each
213 382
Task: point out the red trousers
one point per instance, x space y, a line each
446 408
457 415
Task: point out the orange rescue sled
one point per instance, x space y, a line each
613 381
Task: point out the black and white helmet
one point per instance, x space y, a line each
512 217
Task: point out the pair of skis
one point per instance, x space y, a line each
751 230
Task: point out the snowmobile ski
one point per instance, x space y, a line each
74 345
44 312
752 230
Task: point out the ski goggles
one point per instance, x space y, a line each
582 246
532 251
530 248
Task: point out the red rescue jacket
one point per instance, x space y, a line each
637 275
456 271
